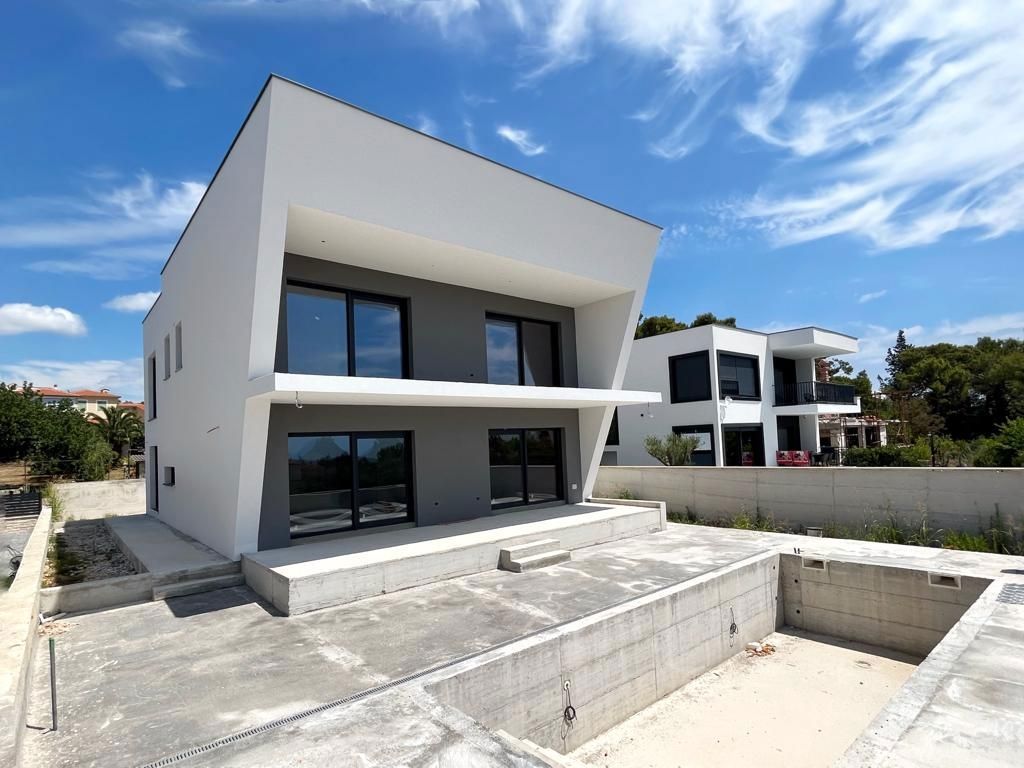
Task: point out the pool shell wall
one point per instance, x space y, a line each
623 659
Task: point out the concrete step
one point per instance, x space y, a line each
519 551
226 568
197 586
542 560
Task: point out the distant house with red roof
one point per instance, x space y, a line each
88 401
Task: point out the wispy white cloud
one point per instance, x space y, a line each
864 298
520 137
426 124
164 47
123 377
30 318
133 302
121 231
920 137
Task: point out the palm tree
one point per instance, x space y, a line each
119 427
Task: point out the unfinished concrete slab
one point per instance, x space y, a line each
125 700
310 576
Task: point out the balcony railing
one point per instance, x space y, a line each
807 392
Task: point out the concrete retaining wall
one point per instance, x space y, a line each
19 608
104 498
303 579
960 499
95 595
617 661
897 608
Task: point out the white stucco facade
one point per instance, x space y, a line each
313 176
785 387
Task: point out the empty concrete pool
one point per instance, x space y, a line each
852 635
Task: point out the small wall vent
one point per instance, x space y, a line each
814 563
168 475
944 580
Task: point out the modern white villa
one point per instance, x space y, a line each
750 398
363 326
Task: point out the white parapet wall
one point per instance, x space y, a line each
19 608
104 498
960 499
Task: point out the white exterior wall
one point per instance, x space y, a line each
208 287
303 157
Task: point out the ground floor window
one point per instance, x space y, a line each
743 446
526 466
343 481
704 453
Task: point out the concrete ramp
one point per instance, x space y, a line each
317 575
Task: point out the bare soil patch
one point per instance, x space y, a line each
84 550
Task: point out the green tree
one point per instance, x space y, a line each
709 318
120 427
20 413
672 450
655 325
67 445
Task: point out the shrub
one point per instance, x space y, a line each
672 450
887 456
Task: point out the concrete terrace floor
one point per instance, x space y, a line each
139 683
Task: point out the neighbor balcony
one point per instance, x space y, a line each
816 397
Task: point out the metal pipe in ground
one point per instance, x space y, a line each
53 682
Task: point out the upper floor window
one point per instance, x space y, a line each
342 333
177 347
151 386
738 376
690 377
81 404
522 352
167 357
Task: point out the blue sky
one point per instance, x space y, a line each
856 165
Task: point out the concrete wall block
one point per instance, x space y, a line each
94 595
682 605
885 607
916 641
761 573
902 581
607 673
604 633
684 654
332 588
598 715
516 691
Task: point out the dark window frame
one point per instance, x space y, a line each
754 427
757 375
353 437
151 394
692 429
154 474
402 302
673 378
556 345
524 465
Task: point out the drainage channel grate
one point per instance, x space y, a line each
1012 594
368 692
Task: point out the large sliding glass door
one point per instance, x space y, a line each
345 481
743 446
526 466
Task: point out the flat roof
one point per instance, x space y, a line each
272 76
749 330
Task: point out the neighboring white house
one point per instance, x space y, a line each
362 325
744 394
